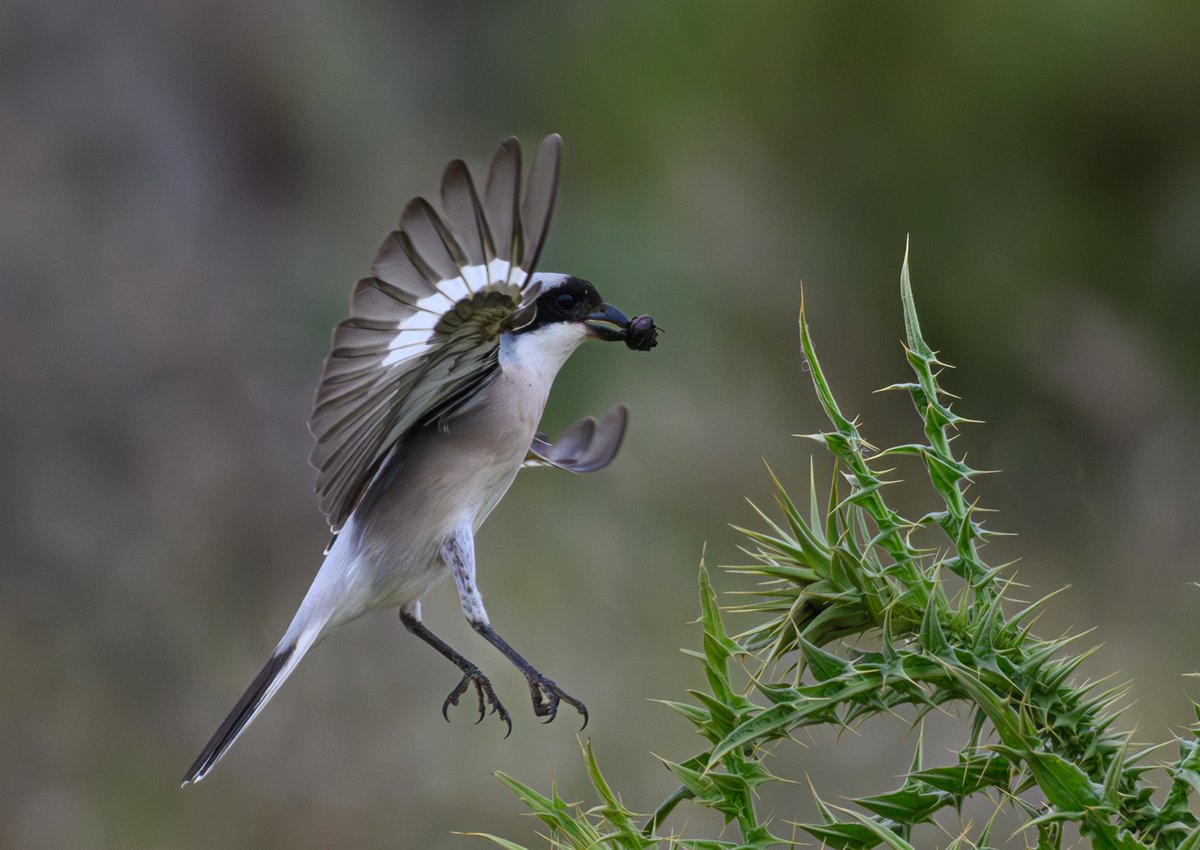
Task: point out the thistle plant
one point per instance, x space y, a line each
859 611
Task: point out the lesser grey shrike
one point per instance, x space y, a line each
427 409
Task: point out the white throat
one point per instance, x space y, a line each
542 352
529 363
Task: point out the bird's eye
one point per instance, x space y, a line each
566 301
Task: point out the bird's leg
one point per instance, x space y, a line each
459 554
410 616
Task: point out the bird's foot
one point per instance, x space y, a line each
547 696
487 697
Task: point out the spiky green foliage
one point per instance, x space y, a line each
1037 741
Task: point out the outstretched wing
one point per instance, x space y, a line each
423 332
584 447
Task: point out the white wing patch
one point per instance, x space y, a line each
417 330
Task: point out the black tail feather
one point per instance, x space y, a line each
224 737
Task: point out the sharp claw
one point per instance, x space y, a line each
452 697
482 707
547 696
487 697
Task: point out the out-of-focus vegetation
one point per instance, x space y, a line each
190 190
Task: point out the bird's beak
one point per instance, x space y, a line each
608 323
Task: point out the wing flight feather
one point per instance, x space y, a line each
585 446
424 328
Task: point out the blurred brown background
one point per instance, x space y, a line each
190 190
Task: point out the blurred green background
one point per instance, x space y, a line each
190 191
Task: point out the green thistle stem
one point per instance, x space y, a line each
849 570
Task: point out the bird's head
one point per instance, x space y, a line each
570 307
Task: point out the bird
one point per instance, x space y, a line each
427 409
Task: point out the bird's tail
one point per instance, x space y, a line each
276 671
